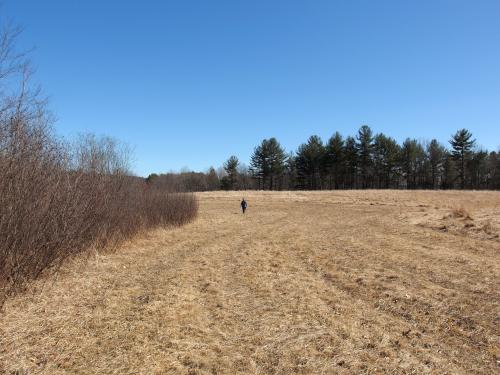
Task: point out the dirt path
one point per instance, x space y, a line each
308 283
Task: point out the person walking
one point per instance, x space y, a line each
243 205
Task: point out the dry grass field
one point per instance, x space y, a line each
348 282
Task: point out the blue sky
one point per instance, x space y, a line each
188 83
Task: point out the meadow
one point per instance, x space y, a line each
342 282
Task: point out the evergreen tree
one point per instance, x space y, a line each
268 164
276 158
449 173
334 159
478 169
213 182
494 170
310 163
436 155
259 166
290 172
365 154
386 156
412 158
231 168
150 180
462 144
351 162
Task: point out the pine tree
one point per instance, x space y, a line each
310 163
493 170
478 169
436 155
351 162
334 159
462 144
365 153
413 158
258 165
276 159
268 164
449 175
290 172
386 155
231 168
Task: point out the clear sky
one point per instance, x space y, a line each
188 83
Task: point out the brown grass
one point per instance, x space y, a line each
462 213
351 282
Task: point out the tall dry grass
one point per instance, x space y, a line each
59 199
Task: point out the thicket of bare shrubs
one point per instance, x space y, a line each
57 198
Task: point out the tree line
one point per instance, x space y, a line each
363 161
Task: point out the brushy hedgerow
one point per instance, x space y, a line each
57 200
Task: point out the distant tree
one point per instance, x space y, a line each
221 172
310 163
462 144
290 176
334 158
277 161
225 184
449 176
478 169
231 168
244 177
259 165
436 155
213 182
386 156
193 181
412 158
365 154
151 178
268 164
494 170
351 162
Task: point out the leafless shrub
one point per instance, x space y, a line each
56 201
59 199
